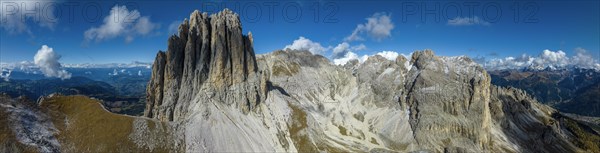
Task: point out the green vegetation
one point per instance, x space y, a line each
586 140
342 130
373 141
394 145
127 97
86 127
298 132
282 69
359 116
446 141
572 91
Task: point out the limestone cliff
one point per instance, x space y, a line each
430 103
209 55
224 98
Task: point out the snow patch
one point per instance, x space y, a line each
31 127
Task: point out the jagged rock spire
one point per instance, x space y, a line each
209 54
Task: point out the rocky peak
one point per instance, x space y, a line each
421 58
401 60
447 97
209 81
209 55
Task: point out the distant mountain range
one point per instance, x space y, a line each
571 90
124 94
28 65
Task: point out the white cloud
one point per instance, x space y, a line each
25 66
359 47
16 14
548 58
349 56
121 22
466 21
390 55
5 74
510 62
379 26
584 59
111 65
306 44
47 60
144 26
341 49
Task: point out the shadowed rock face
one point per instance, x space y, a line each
210 55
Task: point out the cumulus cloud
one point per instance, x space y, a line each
551 58
47 60
110 65
584 59
121 22
24 66
467 21
5 74
390 55
144 26
379 26
510 62
340 50
307 44
16 14
349 56
546 59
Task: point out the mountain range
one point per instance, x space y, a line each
569 90
209 92
120 94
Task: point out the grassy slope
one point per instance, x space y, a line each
87 127
587 138
126 97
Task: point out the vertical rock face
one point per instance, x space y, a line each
448 98
155 86
209 55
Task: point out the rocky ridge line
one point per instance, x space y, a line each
209 55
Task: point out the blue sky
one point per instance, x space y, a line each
514 28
